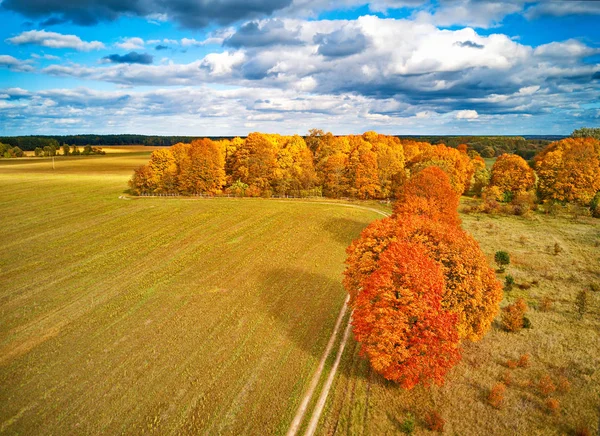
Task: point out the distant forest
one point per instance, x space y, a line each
486 146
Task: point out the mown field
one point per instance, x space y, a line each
560 345
172 316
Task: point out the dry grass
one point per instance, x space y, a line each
559 344
158 315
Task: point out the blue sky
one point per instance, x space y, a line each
231 67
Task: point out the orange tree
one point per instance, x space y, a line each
399 320
511 175
428 194
569 170
471 289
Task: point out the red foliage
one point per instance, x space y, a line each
399 320
524 361
546 385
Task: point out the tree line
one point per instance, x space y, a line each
367 166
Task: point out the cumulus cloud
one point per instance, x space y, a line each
54 40
14 64
263 34
188 13
562 8
343 42
130 43
130 58
467 115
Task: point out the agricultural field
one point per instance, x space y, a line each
560 345
159 315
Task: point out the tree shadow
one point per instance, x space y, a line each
300 306
343 230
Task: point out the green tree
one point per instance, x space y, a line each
502 259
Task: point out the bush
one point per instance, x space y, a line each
502 259
564 385
594 287
527 323
434 422
507 378
582 430
553 405
545 385
557 249
496 396
513 315
408 425
546 304
524 361
512 364
509 282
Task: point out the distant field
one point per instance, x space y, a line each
158 315
560 344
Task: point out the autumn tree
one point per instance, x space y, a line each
481 176
511 174
399 320
569 170
363 175
428 193
457 165
390 162
201 167
471 289
255 162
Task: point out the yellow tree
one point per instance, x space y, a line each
569 170
512 175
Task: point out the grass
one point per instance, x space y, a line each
560 344
159 315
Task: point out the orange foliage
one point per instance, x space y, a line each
553 405
434 421
524 361
512 316
569 170
457 165
546 385
496 396
471 289
399 320
428 194
511 173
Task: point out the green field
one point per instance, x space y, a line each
560 345
159 315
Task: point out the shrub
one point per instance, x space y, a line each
509 282
564 385
553 405
507 378
524 286
434 422
527 323
502 259
512 316
545 385
512 364
582 430
408 425
496 396
557 249
546 304
581 302
594 287
524 361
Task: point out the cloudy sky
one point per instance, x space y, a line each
229 67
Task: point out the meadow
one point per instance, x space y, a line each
560 345
159 315
209 316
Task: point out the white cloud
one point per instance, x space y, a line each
54 40
14 64
467 115
134 43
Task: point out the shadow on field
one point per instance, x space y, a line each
305 305
343 230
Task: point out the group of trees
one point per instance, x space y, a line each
359 166
30 143
7 151
419 285
370 166
66 150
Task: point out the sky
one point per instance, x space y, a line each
230 67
